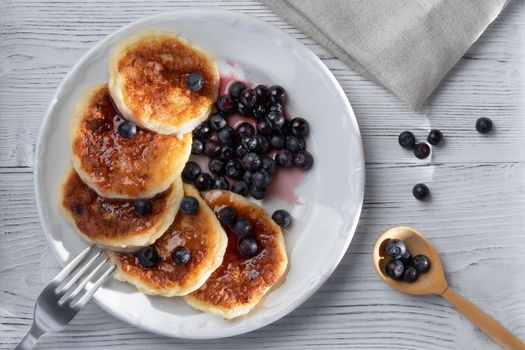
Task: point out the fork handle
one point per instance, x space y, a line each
483 321
31 338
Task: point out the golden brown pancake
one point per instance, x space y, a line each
240 283
119 167
201 233
147 80
112 222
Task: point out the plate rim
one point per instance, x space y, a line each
351 116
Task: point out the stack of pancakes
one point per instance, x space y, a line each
123 190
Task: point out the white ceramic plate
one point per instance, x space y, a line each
330 198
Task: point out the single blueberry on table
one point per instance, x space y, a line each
420 191
483 125
148 257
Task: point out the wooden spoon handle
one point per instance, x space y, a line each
483 321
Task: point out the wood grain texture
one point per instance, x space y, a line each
475 216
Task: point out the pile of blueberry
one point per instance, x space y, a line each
403 266
244 154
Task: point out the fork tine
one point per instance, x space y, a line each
69 297
71 266
86 297
78 274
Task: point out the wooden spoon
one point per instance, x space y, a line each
434 282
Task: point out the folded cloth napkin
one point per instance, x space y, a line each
405 45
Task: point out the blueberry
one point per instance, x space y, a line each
142 206
421 263
236 89
227 215
282 218
263 128
277 107
410 274
241 188
263 145
421 150
226 135
203 131
203 182
268 164
406 139
434 137
148 257
395 248
180 255
189 205
195 81
286 129
250 143
299 127
212 148
217 122
395 269
190 172
127 129
242 109
257 193
294 144
240 151
277 141
220 183
226 153
248 98
197 146
234 169
247 177
248 246
420 191
261 91
216 166
303 160
277 94
276 120
245 129
259 112
242 226
225 104
483 125
406 258
284 158
251 161
260 179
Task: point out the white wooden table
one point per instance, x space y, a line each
476 217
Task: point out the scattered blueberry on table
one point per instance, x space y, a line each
420 191
402 266
483 125
421 150
435 137
406 139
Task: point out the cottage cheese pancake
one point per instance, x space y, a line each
148 80
116 166
200 233
240 283
116 223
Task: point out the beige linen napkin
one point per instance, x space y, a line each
405 45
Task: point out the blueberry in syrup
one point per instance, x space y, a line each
241 188
248 246
268 164
395 269
247 177
264 128
127 129
242 226
406 139
180 255
277 141
245 129
250 142
277 94
220 183
299 127
257 193
261 179
421 150
226 135
240 151
421 263
277 107
212 148
294 144
197 146
216 166
282 218
234 169
189 205
236 89
395 248
148 257
410 274
227 215
142 206
195 81
203 182
483 125
217 122
248 98
242 109
284 158
252 161
303 160
435 137
263 145
226 153
420 191
261 91
225 104
190 172
287 128
276 120
203 131
259 112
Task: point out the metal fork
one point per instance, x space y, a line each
61 300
